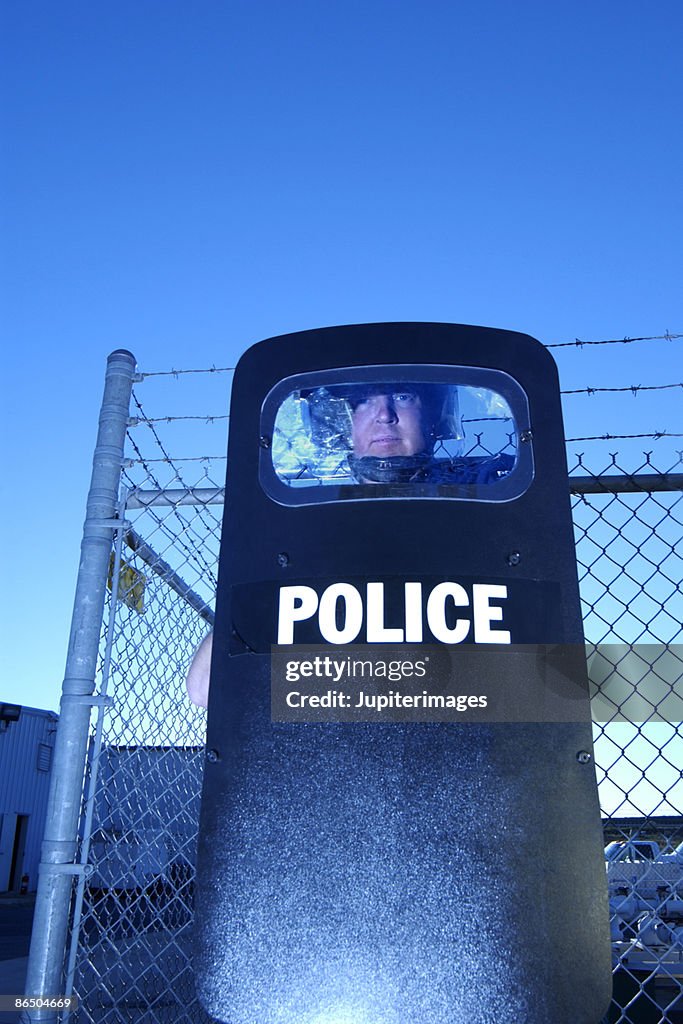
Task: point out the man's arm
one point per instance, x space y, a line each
197 681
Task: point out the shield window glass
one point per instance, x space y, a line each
404 431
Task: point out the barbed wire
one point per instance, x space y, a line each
178 373
624 437
634 389
134 421
194 555
578 343
151 421
171 461
222 458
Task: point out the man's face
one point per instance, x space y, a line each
384 424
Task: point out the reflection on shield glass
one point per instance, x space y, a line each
392 431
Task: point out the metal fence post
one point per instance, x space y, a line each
58 868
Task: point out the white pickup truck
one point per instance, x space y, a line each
646 903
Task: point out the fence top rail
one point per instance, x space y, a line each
623 483
174 496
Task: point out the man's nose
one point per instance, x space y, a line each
386 410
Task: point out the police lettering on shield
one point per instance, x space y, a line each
300 602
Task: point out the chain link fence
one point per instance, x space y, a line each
628 544
129 954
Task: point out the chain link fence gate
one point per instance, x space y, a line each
116 892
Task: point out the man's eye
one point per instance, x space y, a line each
404 397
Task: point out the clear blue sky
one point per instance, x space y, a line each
184 179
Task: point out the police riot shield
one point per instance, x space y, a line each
400 817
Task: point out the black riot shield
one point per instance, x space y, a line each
399 820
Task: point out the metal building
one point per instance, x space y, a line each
145 814
26 745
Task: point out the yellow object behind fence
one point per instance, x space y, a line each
131 589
